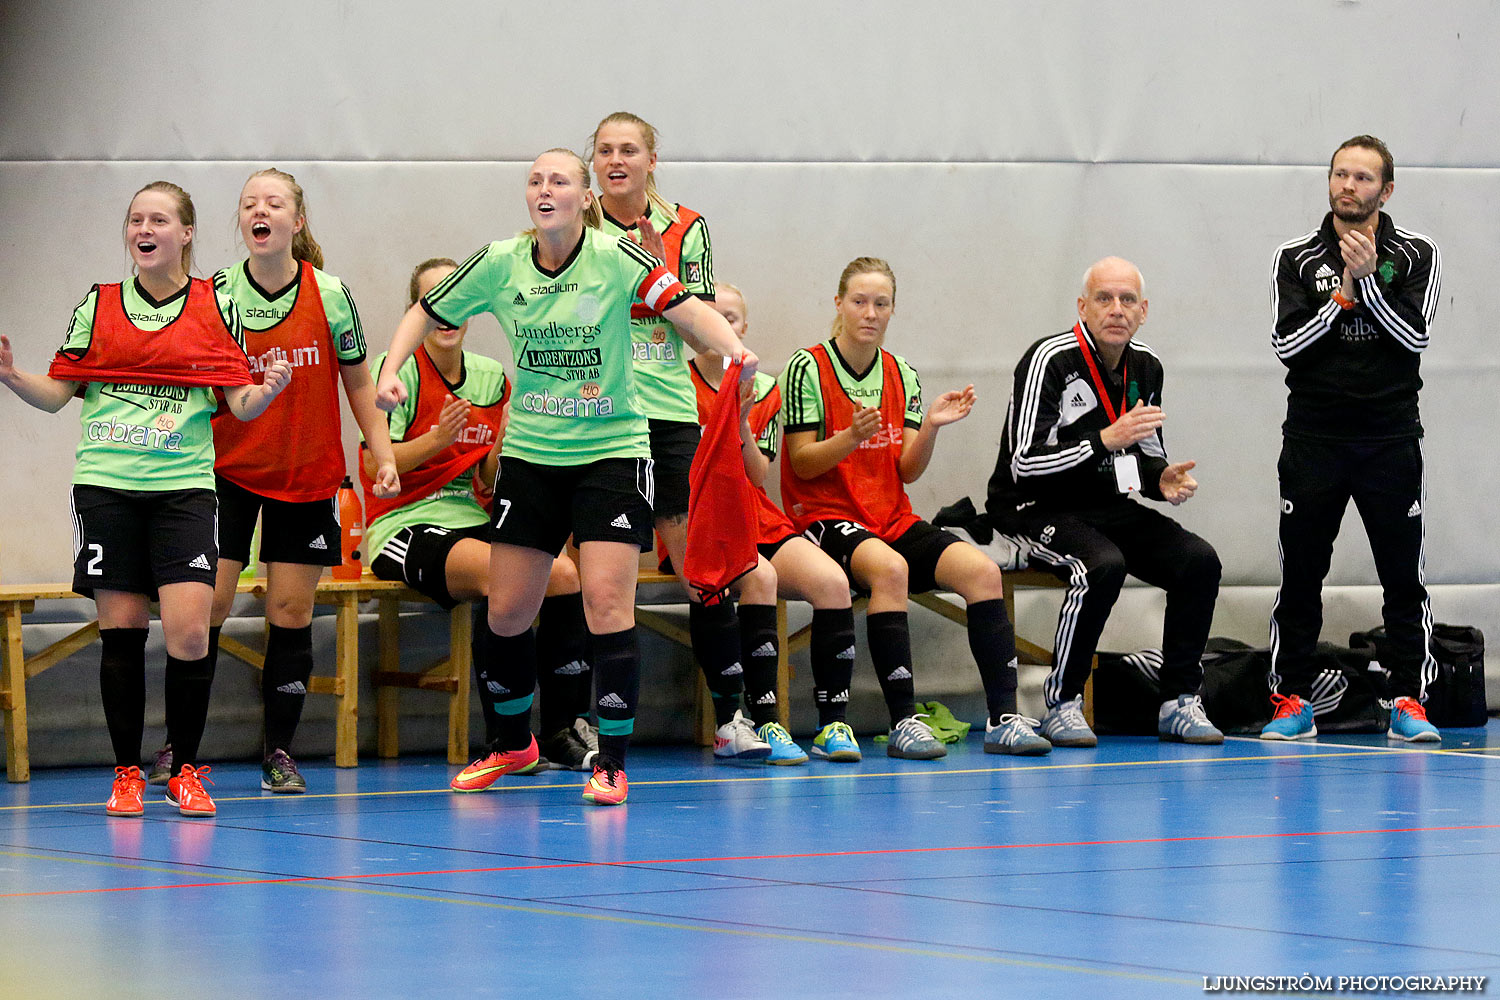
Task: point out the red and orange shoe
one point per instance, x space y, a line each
482 773
185 791
607 787
125 797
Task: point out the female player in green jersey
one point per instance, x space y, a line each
434 535
285 469
146 356
623 148
856 435
575 460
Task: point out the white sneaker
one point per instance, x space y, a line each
738 740
1065 726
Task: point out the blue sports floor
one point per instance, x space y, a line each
1134 870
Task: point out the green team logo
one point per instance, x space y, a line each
1387 271
1132 393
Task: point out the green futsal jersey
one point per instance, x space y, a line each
575 399
802 395
261 309
145 437
453 505
660 357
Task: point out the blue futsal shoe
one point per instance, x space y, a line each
1293 720
836 742
1409 723
784 749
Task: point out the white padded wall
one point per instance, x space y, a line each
990 151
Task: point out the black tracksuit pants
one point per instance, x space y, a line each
1318 479
1092 550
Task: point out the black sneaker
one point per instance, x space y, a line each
161 770
568 749
278 773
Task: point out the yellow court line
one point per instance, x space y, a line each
1353 750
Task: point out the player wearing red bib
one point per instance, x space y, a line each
856 434
286 469
624 157
145 356
803 571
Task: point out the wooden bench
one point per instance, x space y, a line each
17 599
448 675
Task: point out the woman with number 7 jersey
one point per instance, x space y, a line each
576 457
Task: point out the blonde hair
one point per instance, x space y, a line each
593 217
186 214
648 137
413 287
727 287
304 247
862 265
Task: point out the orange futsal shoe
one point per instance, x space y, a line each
125 796
482 773
185 791
607 787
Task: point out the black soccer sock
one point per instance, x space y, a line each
283 683
832 662
617 669
716 644
213 644
759 653
188 685
992 640
483 657
510 685
564 678
890 649
122 685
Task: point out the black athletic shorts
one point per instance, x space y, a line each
136 541
769 549
673 445
305 533
921 546
539 506
418 556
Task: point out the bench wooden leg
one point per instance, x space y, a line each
13 695
388 696
346 718
461 663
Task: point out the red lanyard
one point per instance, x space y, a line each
1088 356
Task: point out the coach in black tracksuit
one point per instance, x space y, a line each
1083 431
1353 301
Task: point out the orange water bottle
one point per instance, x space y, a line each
351 532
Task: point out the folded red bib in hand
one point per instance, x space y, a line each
722 525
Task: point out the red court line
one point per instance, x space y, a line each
293 879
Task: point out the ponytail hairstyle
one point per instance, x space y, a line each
862 265
304 247
186 214
593 216
648 138
412 293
